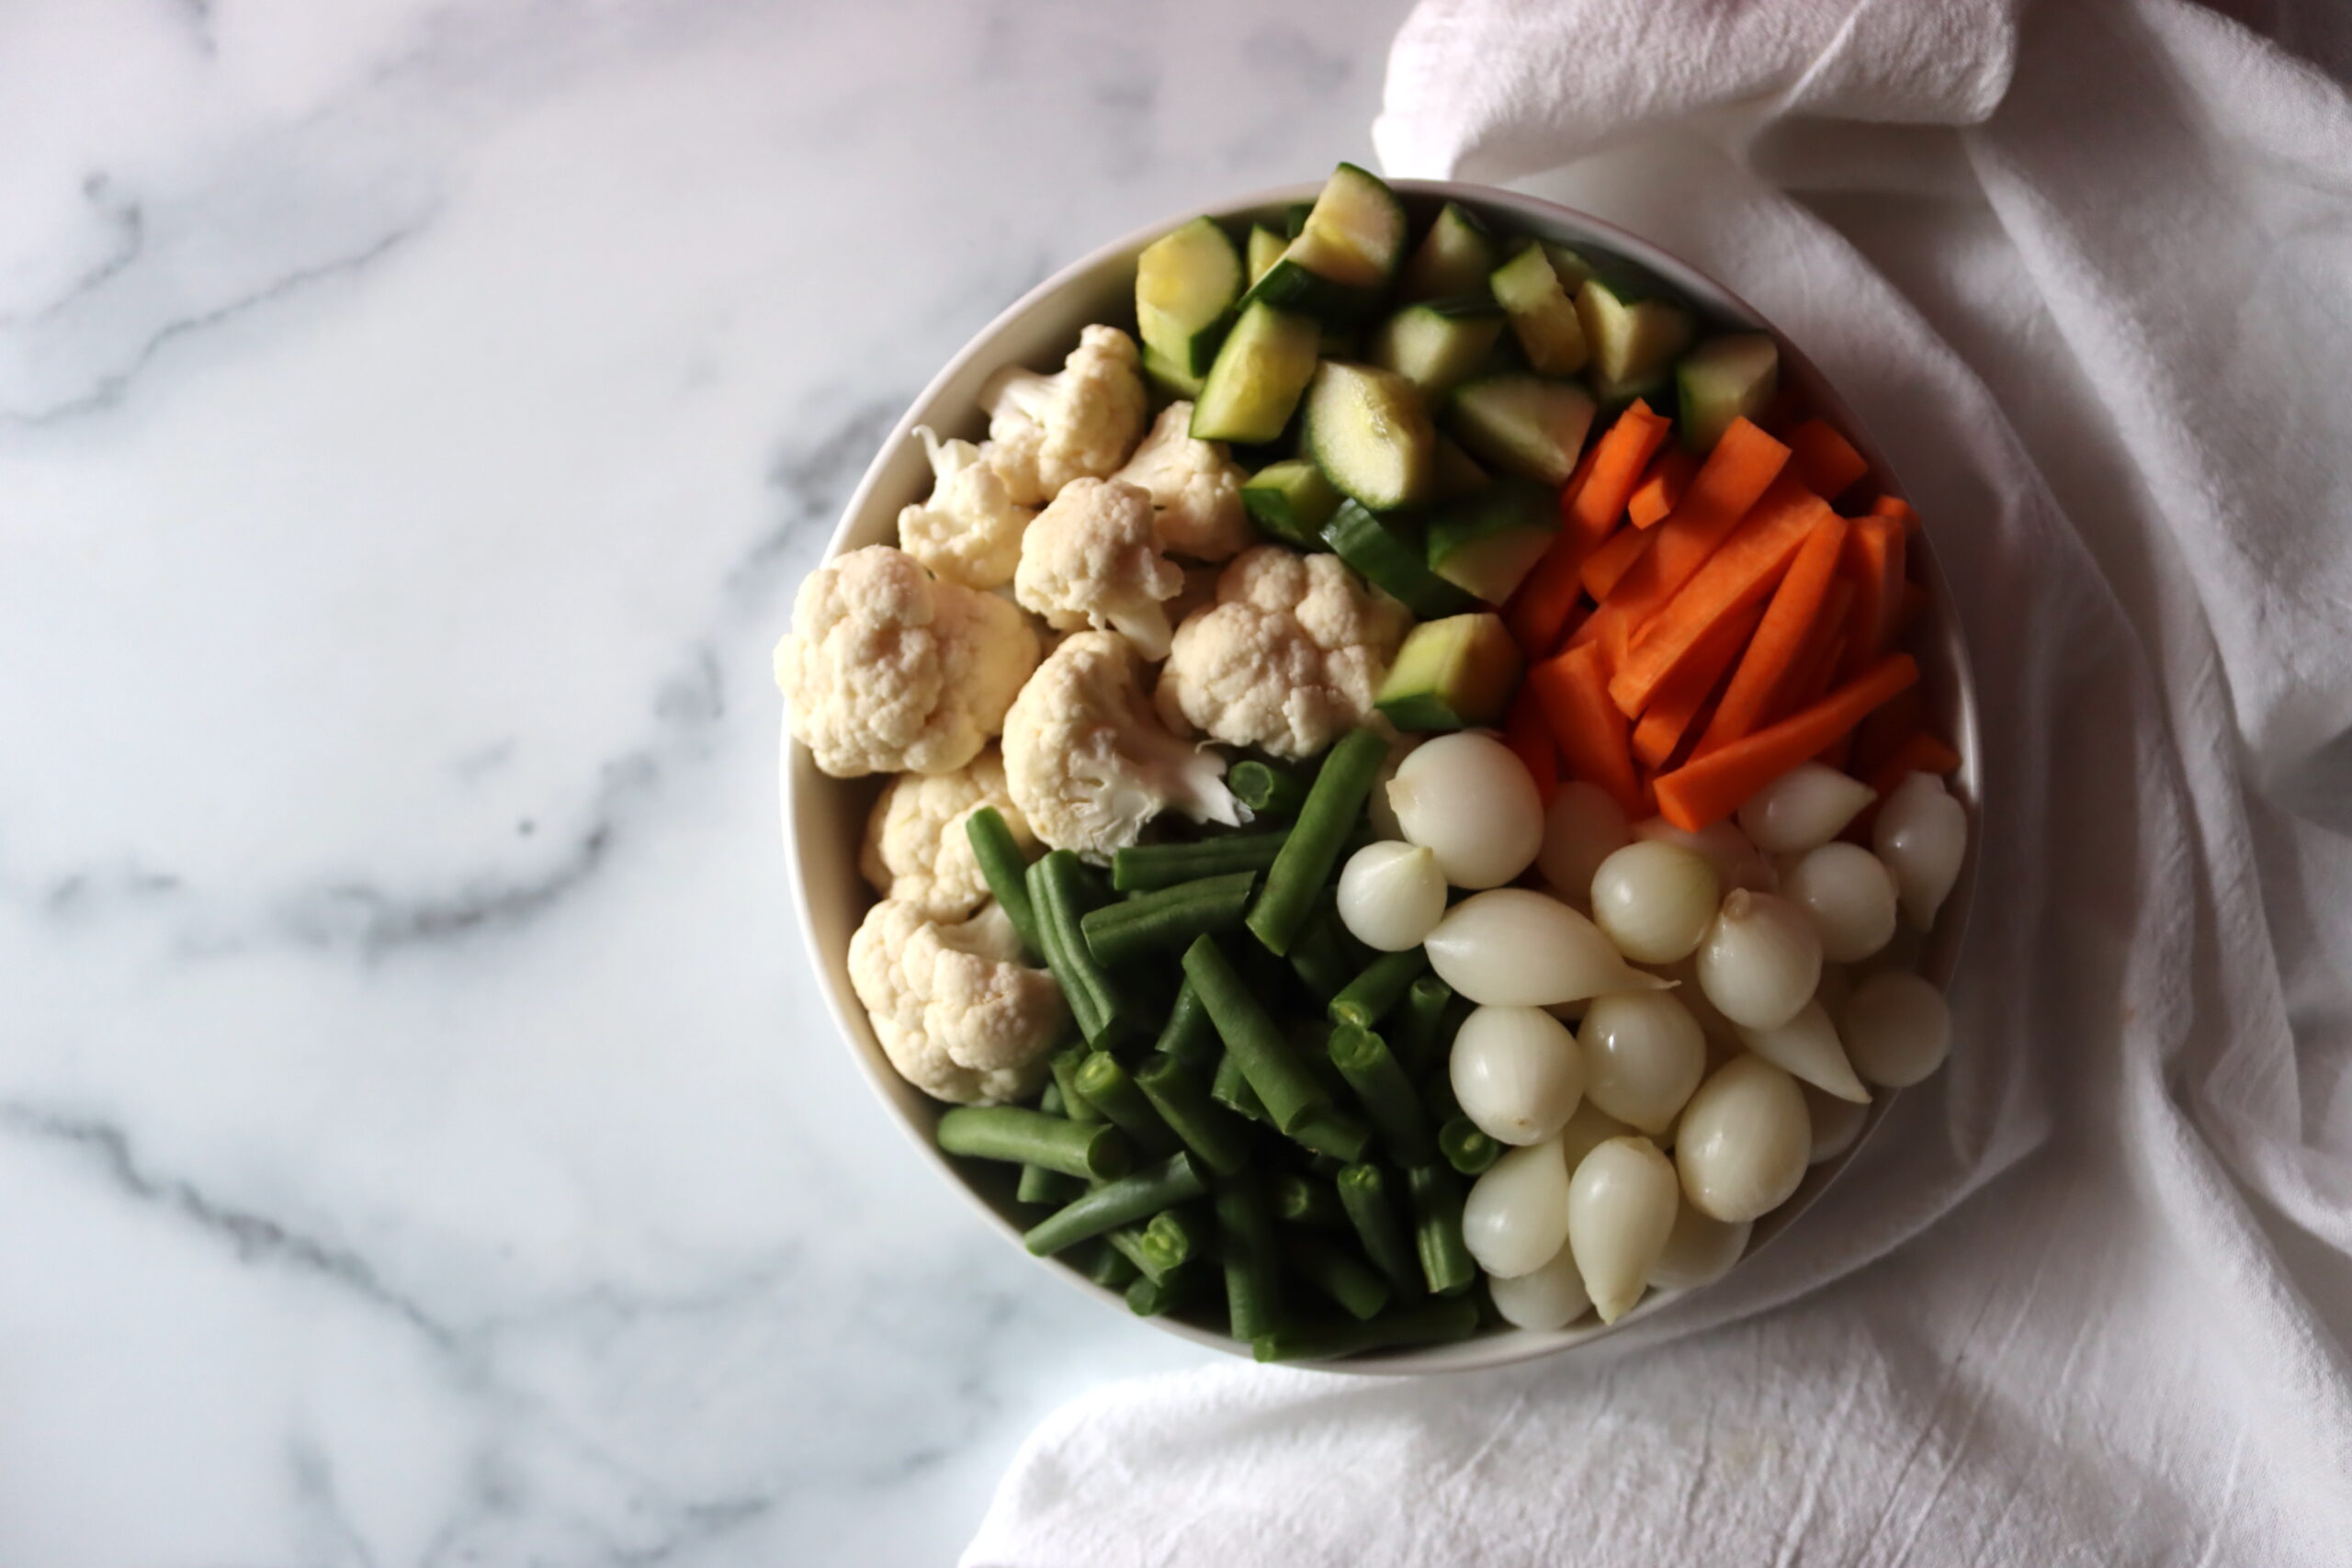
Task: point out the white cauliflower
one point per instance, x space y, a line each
970 531
916 850
1088 764
885 671
1091 560
1081 424
957 1013
1196 486
1288 660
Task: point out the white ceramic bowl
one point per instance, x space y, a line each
824 818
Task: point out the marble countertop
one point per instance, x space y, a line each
421 1142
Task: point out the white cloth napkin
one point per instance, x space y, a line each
2086 270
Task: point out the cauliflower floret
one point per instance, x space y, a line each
1196 486
1088 763
1289 658
1081 424
916 850
885 671
957 1013
1091 560
970 531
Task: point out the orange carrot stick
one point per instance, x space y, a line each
1896 507
1874 561
1525 733
1606 567
1809 676
1707 789
1737 474
1591 505
1885 731
1827 460
1618 459
1681 695
1661 489
1780 637
1922 753
1573 690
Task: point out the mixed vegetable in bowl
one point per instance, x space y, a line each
1409 806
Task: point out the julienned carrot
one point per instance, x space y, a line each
1922 753
1739 575
1896 507
1618 459
1887 729
1607 566
1661 489
1707 789
1783 411
1681 696
1780 637
1539 609
1810 675
1874 562
1826 459
1745 465
1573 690
1526 734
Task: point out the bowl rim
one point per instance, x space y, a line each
1940 962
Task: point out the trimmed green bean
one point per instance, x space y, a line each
1030 1137
1151 1261
1184 1103
1231 1089
1437 1093
1414 1037
1363 1194
1107 1266
1039 1186
1006 870
1266 789
1378 991
1144 868
1180 1234
1174 1181
1166 920
1387 1094
1306 858
1188 1036
1358 1289
1319 960
1466 1147
1328 1130
1288 1087
1446 1263
1103 1012
1064 1064
1180 1288
1433 1323
1305 1200
1109 1090
1245 1240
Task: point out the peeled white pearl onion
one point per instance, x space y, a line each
1738 863
1808 1049
1588 1129
1517 1214
1469 797
1550 1297
1897 1029
1583 827
1744 1139
1516 947
1377 810
1517 1072
1836 1123
1621 1210
1848 894
1921 833
1698 1251
1760 961
1809 805
1391 895
1643 1055
1654 900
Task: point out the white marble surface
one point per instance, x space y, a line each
419 1139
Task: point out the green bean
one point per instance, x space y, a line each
1180 1288
1245 1240
1188 1035
1446 1264
1437 1093
1415 1038
1325 1165
1030 1137
1110 1090
1180 1234
1288 1087
1363 1194
1433 1323
1319 960
1328 1130
1308 855
1142 868
1006 870
1064 1065
1105 1266
1267 789
1049 1189
1303 1200
1359 1291
1466 1147
1151 1261
1166 919
1105 1013
1387 1094
1375 993
1184 1103
1115 1204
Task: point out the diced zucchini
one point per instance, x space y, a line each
1543 317
1368 431
1723 379
1345 253
1523 423
1570 265
1168 376
1259 374
1635 339
1453 258
1295 219
1456 674
1387 553
1486 543
1339 343
1454 473
1186 282
1265 248
1438 343
1290 499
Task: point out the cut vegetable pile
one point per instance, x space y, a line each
1410 810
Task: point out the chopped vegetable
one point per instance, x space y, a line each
1573 688
1726 379
1384 557
1310 854
1276 1072
1660 492
1032 1137
1141 868
1633 337
1874 561
1258 375
1177 1179
1543 317
1335 1273
1488 542
1825 460
1209 1130
1682 698
1379 989
1006 870
1166 920
1456 674
1186 282
1347 249
1433 1323
1438 343
1453 259
1267 788
1530 740
1707 789
1780 637
1372 1211
1367 430
1524 424
1291 501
